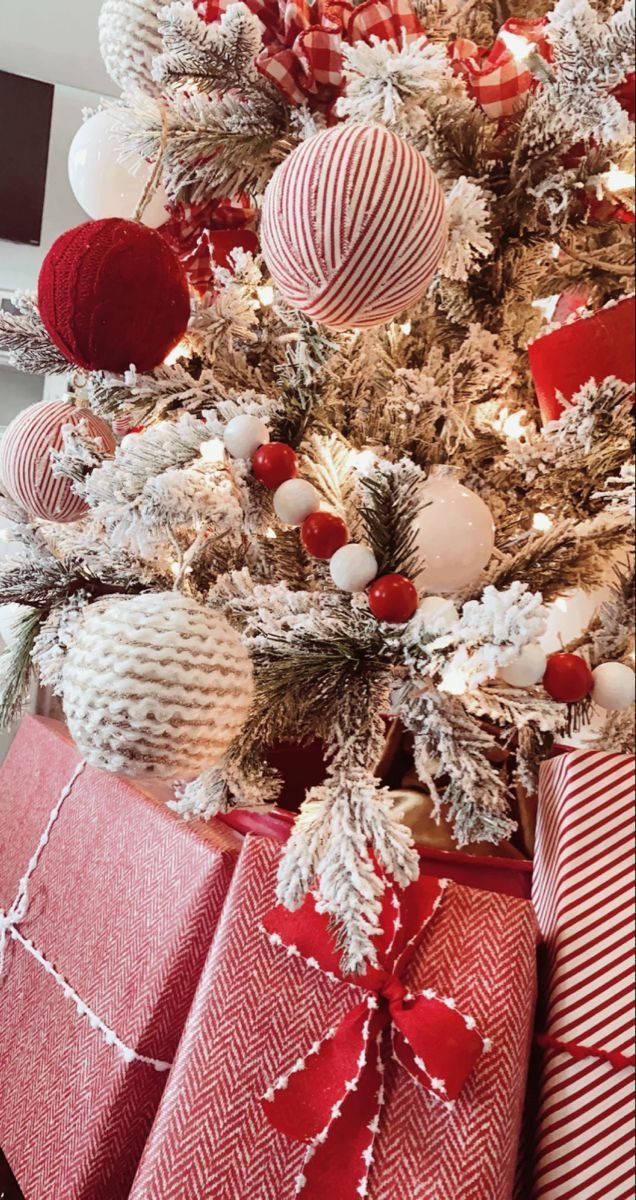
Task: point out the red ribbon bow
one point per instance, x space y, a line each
332 1097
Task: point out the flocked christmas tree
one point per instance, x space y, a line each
326 482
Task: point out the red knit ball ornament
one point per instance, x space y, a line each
393 598
568 678
323 533
25 458
273 464
112 293
224 241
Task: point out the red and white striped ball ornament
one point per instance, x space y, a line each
354 226
25 458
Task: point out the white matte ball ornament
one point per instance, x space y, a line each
614 686
354 226
129 40
102 185
244 434
527 669
353 567
155 686
455 535
295 500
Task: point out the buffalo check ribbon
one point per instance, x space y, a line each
332 1097
497 80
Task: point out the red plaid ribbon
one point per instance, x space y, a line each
332 1098
302 42
188 233
498 81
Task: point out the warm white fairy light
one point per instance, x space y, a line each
271 533
617 180
519 47
363 460
546 305
454 682
5 536
542 522
265 295
406 328
175 567
561 603
512 424
213 451
180 351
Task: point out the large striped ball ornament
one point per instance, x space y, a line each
354 226
25 458
155 686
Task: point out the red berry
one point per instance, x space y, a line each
323 533
567 678
274 463
393 598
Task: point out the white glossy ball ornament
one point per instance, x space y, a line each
295 500
353 567
244 434
102 185
455 535
614 686
527 669
438 614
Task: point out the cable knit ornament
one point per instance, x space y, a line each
354 226
129 40
155 686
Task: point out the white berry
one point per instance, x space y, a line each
527 669
295 500
244 434
614 686
353 567
438 614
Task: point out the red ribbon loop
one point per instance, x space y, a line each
332 1097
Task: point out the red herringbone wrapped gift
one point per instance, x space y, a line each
256 1009
100 964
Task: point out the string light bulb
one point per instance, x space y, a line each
213 451
512 424
454 682
519 47
271 534
406 328
180 351
542 522
617 180
265 295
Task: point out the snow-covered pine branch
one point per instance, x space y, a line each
204 56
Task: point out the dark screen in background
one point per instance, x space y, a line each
26 106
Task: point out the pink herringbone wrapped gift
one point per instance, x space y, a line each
100 954
256 1009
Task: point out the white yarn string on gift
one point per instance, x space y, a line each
10 920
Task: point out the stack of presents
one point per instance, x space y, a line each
168 1033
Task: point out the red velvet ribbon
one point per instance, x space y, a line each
578 1050
331 1098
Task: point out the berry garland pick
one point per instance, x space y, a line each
567 678
324 535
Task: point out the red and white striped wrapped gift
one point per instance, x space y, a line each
584 898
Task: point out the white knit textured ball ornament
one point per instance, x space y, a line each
353 567
129 40
354 226
155 686
614 686
25 458
295 500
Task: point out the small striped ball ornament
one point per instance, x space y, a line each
25 458
354 226
129 40
155 686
